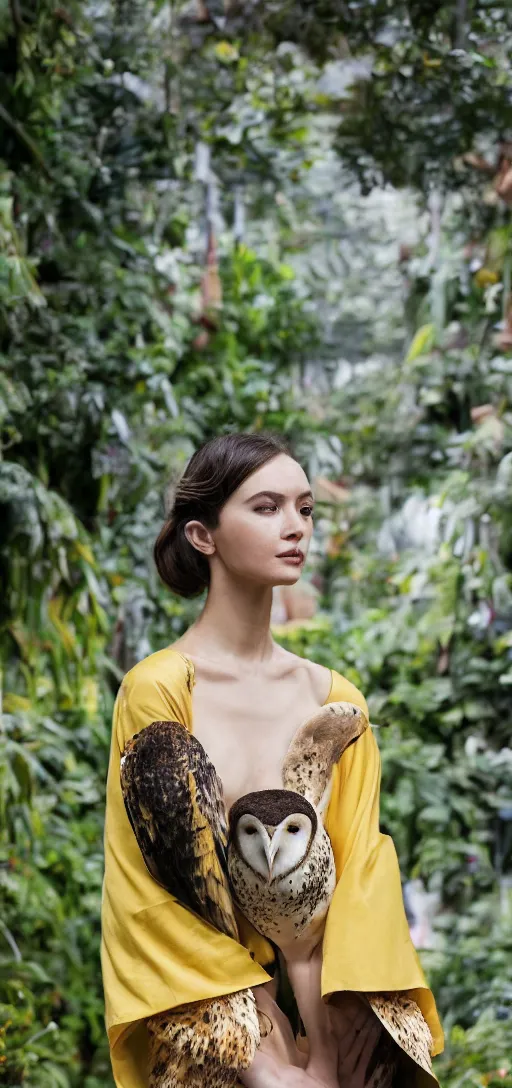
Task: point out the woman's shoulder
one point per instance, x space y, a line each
329 685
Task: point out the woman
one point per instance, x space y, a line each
242 506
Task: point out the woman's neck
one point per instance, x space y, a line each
234 624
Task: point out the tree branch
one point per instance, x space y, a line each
16 14
25 139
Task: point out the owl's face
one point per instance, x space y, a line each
269 835
273 852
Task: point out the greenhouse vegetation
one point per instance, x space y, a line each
241 217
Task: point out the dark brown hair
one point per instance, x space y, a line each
213 473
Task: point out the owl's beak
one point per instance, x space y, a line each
270 854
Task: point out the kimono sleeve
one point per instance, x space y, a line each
367 944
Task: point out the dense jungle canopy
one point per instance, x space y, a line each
239 216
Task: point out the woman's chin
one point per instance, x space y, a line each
288 579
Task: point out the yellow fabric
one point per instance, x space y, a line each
155 954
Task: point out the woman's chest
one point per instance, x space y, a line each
246 728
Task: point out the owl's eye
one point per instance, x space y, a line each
292 828
250 830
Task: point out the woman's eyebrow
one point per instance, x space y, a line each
277 495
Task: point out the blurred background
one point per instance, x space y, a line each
228 216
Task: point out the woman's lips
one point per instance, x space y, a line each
295 560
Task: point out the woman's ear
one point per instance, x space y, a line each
199 537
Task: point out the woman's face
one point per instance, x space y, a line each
270 513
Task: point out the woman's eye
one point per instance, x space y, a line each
306 510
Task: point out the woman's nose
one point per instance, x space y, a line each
297 526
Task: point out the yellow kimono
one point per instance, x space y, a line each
156 954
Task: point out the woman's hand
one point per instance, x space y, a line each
358 1031
280 1042
301 1078
277 1057
266 1072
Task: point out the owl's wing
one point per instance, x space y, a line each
405 1023
317 745
204 1042
173 797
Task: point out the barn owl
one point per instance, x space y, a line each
174 801
280 859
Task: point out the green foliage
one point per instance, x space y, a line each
418 84
133 326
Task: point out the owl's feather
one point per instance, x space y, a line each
401 1058
405 1023
317 746
204 1043
173 797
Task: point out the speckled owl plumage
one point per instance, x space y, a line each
204 1043
173 797
284 908
174 801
